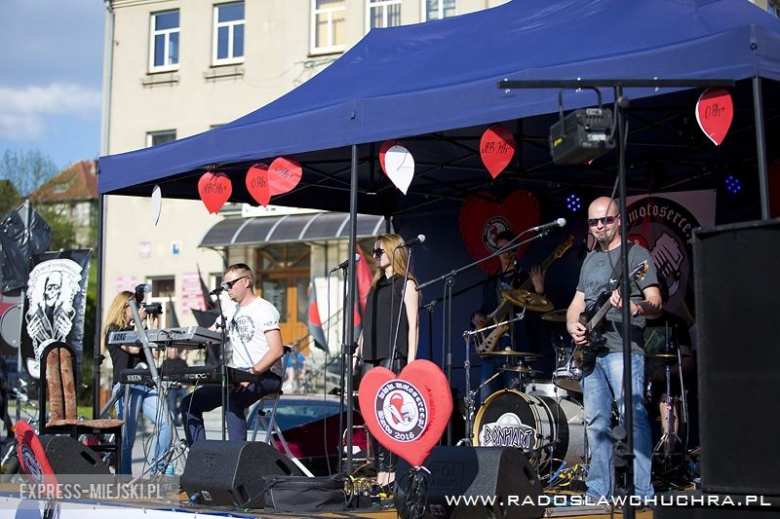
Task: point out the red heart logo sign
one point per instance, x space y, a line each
407 414
257 183
482 217
497 147
214 189
283 175
714 112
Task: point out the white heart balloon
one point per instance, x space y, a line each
156 204
399 165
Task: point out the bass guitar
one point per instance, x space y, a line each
488 343
584 355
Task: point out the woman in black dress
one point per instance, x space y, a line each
375 344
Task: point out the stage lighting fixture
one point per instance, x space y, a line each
581 136
733 185
573 203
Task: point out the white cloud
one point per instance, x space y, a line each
54 99
15 127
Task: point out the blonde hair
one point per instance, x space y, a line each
398 255
116 313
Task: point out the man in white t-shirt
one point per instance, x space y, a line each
256 344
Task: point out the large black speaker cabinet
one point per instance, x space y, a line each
231 472
737 273
489 472
69 456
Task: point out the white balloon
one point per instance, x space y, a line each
156 204
399 165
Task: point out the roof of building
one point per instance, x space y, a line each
76 182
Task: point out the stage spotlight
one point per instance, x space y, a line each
582 135
733 185
573 203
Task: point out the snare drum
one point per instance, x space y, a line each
546 429
566 375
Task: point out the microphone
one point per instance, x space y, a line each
560 222
344 264
414 241
223 287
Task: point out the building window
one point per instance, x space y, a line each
383 13
164 45
439 9
228 33
164 294
155 138
773 8
327 26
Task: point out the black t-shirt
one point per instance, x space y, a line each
120 358
379 323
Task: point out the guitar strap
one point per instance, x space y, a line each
614 278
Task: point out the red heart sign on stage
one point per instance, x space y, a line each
215 189
33 460
257 183
714 112
497 147
283 175
383 151
482 217
408 413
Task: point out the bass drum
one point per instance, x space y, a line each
549 430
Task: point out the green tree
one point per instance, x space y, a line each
26 170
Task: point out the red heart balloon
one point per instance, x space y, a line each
407 414
283 175
257 184
383 151
714 112
215 189
497 147
483 216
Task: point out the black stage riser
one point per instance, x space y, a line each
737 273
480 471
231 472
69 456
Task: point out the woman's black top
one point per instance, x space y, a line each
120 358
379 322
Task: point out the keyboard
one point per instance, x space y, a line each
200 375
188 337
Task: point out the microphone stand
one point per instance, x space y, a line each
429 309
400 307
449 280
224 370
346 356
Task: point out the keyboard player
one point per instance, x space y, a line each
256 345
142 398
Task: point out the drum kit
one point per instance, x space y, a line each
543 418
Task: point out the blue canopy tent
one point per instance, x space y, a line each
434 85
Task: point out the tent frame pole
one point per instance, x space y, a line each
349 312
758 113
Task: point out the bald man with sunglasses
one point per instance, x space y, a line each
603 383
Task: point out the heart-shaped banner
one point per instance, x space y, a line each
497 147
399 167
482 217
714 112
407 414
215 189
258 185
383 151
283 175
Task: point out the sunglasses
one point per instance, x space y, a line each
606 220
231 283
377 253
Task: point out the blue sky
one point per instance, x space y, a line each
51 58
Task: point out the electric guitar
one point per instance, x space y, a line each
584 356
489 343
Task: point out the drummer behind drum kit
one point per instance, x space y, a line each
544 419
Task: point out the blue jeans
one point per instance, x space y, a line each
208 398
600 386
143 399
175 396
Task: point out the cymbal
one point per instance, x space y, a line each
522 369
530 300
512 353
556 316
665 356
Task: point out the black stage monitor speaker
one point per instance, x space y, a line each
69 456
737 273
231 472
502 475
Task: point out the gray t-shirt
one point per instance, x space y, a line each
594 279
